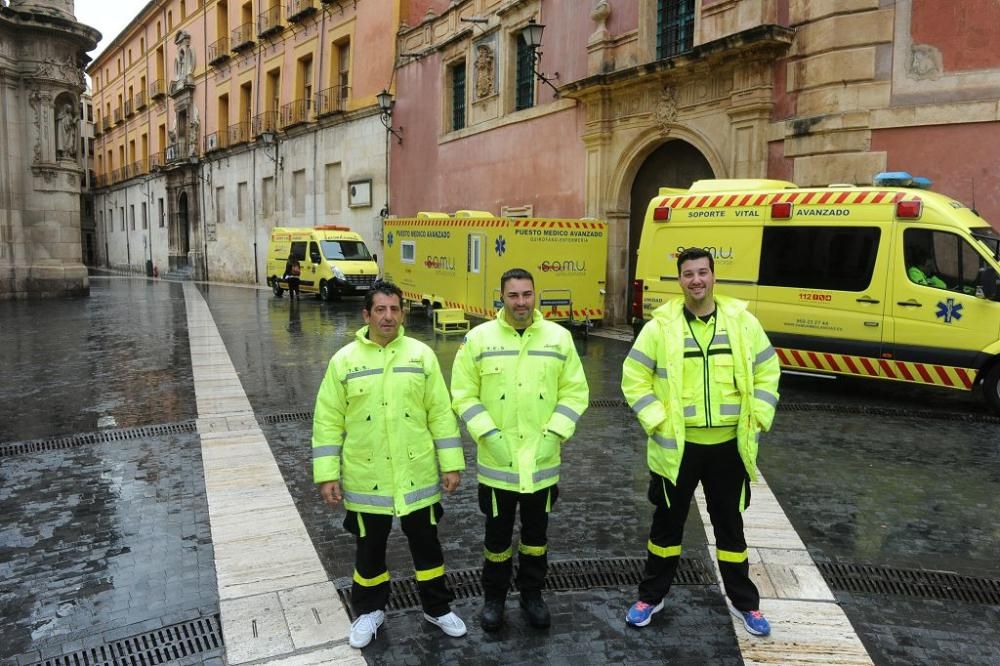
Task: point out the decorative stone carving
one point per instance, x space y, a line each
40 103
925 62
485 71
599 15
665 112
192 132
67 131
184 61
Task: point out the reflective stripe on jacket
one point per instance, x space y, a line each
383 425
654 384
520 397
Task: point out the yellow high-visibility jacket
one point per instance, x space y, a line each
520 396
654 384
383 426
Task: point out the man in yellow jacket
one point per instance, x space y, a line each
518 385
383 430
703 379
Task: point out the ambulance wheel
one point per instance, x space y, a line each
991 388
276 287
325 293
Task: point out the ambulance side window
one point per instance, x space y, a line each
832 258
314 255
408 252
299 250
946 256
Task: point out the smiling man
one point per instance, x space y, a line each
383 432
703 379
519 386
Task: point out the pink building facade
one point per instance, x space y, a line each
662 92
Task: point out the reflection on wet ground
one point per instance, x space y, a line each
103 537
122 353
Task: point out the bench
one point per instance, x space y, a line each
450 320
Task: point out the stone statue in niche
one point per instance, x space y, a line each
184 61
485 71
192 132
67 131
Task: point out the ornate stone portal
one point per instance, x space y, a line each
42 52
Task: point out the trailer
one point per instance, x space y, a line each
455 262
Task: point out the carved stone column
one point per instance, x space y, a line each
42 51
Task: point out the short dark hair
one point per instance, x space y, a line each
382 287
515 274
693 253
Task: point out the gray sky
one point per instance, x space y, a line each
108 16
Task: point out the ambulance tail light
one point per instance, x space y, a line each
661 214
909 210
637 299
781 211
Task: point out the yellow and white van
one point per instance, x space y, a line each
334 260
890 281
445 261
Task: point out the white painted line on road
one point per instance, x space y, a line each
277 602
807 624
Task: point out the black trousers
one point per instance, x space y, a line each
500 508
720 470
370 590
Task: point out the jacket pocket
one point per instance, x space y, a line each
549 449
494 451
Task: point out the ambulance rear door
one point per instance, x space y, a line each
475 270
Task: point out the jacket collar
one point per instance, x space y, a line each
362 337
674 308
535 318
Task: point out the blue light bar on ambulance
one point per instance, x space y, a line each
901 179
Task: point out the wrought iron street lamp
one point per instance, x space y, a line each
385 104
532 35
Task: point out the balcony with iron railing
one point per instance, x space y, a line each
105 124
295 113
101 180
157 89
118 115
300 9
265 122
138 168
217 141
332 100
269 21
115 175
218 51
242 37
98 129
157 160
239 133
140 100
129 112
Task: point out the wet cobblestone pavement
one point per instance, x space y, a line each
122 353
102 541
109 540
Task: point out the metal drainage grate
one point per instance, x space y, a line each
71 441
897 412
162 646
563 576
286 417
867 579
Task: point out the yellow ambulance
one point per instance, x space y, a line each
333 259
890 281
445 261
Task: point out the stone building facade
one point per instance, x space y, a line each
218 120
658 93
42 51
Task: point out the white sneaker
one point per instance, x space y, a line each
365 628
449 623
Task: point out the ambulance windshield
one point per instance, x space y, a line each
345 250
989 237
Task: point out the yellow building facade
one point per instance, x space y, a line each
218 120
